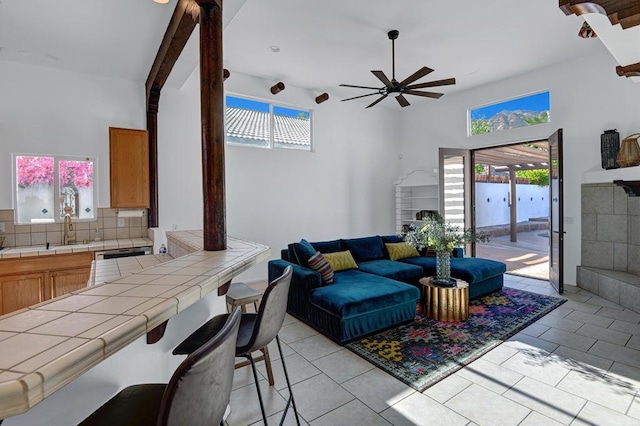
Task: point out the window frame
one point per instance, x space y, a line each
271 144
470 110
56 187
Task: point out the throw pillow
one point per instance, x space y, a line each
401 250
303 251
340 260
318 263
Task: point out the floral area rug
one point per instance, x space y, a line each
426 351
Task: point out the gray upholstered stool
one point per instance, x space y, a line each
239 294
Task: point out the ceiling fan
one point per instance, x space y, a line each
404 87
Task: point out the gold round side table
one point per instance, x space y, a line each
445 303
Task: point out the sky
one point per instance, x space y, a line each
537 102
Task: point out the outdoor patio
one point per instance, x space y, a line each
528 257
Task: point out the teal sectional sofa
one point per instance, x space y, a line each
378 294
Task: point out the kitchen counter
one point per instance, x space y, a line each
111 269
47 346
11 253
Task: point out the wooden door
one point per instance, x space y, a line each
63 282
556 212
21 291
129 167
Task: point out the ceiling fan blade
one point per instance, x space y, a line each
376 101
445 82
424 94
361 96
383 78
359 87
416 75
402 101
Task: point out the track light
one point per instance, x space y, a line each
277 88
321 98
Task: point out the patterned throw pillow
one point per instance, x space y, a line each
341 260
318 263
401 250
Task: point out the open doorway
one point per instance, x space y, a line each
511 204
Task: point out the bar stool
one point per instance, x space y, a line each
256 332
240 294
197 394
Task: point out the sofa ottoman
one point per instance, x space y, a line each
483 275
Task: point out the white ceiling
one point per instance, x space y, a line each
322 43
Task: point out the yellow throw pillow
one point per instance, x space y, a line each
340 260
401 250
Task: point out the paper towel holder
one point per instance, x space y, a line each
129 213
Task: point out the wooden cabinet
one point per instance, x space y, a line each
20 291
129 167
28 281
63 282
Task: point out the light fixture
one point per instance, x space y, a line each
277 88
161 1
321 98
225 73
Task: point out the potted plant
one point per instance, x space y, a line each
442 237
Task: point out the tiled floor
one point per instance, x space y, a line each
579 365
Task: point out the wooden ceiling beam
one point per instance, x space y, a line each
623 12
183 21
632 70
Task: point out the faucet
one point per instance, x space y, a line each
68 228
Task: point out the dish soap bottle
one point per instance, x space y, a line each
163 250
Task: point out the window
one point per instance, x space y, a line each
520 112
261 124
48 187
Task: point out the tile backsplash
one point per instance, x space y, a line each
40 234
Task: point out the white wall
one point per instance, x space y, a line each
587 97
47 111
344 188
492 203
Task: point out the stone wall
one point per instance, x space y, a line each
610 228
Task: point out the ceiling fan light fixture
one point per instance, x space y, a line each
161 1
404 87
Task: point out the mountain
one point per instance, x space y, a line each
511 119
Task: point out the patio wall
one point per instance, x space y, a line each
492 203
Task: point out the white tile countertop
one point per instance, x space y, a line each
12 253
46 346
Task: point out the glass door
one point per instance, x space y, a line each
556 212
